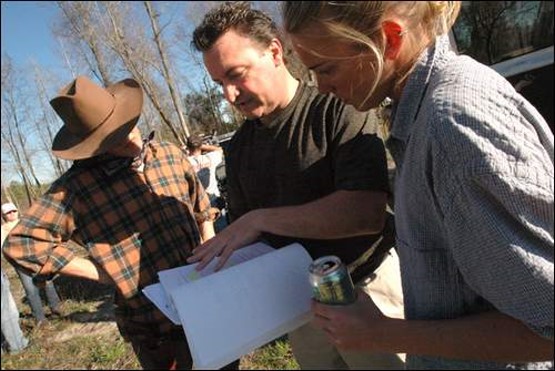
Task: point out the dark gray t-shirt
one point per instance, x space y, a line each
316 146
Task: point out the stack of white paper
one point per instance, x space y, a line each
229 313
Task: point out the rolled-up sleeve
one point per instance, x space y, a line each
501 228
38 244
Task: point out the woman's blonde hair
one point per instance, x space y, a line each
361 22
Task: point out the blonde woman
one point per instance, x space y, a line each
473 192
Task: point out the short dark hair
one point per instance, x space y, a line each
237 16
194 142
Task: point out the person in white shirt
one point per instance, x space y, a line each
205 158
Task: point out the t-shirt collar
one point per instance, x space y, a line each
280 117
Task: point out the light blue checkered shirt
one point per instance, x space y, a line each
473 199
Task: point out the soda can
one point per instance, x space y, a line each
331 282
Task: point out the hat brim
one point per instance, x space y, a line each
6 210
129 102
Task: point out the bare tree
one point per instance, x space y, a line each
80 25
13 128
46 122
168 76
493 31
68 62
138 58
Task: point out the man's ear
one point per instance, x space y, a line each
394 38
276 49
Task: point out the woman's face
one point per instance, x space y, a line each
341 67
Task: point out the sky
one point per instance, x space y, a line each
27 35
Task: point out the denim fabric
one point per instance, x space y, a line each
11 332
33 296
221 222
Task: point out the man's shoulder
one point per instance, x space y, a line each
312 97
242 131
215 156
330 110
73 173
165 148
169 146
325 101
167 154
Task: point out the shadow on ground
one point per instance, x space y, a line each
98 295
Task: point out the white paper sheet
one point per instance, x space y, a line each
228 314
156 294
175 277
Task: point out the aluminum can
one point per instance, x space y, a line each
331 282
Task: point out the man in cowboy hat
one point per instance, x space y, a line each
135 205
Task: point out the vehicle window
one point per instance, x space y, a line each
494 31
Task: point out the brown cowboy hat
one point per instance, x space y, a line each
95 118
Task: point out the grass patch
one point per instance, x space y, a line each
276 355
86 337
106 351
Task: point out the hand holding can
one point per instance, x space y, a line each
331 282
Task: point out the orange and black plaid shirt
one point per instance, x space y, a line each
132 223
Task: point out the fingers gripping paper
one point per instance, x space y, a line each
230 313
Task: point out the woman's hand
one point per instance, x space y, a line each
358 326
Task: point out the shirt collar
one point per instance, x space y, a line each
138 162
406 109
110 164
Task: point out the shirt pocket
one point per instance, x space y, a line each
432 285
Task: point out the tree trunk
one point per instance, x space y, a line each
165 67
80 18
131 62
44 127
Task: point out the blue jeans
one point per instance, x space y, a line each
33 296
11 332
221 222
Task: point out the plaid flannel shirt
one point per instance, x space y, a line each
132 223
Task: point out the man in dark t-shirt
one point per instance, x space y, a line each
303 167
307 151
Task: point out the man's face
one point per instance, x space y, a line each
246 72
10 216
130 146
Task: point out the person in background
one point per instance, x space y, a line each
135 205
205 158
13 340
10 216
303 168
473 187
